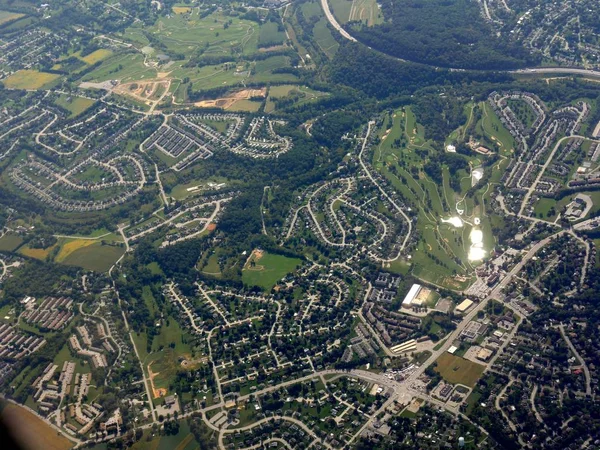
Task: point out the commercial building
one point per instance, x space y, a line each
465 304
412 294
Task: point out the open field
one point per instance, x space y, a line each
10 242
228 101
8 16
29 79
322 35
96 257
37 253
341 9
181 9
491 127
457 370
31 432
96 56
265 269
366 11
169 348
270 35
76 105
245 106
303 94
71 246
226 42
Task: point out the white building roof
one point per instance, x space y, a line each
414 291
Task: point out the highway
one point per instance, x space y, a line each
529 71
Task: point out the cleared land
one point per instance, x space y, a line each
7 16
31 432
366 11
457 370
266 269
76 105
96 257
96 56
37 253
10 242
29 79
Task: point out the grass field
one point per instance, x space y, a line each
72 245
181 9
366 11
37 253
341 9
268 269
325 39
96 257
183 440
457 370
76 105
270 35
167 348
305 94
29 79
10 242
492 128
96 56
32 432
245 106
7 16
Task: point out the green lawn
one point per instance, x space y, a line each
76 105
455 369
268 270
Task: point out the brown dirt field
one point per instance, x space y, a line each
32 432
211 227
227 102
142 90
157 393
272 49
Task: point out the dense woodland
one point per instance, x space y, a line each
442 33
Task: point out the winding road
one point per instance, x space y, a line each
529 71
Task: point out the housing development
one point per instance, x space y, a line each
247 225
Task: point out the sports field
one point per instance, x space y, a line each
32 432
266 269
29 79
457 370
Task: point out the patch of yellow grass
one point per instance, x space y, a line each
7 16
29 79
37 253
181 9
96 56
71 246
